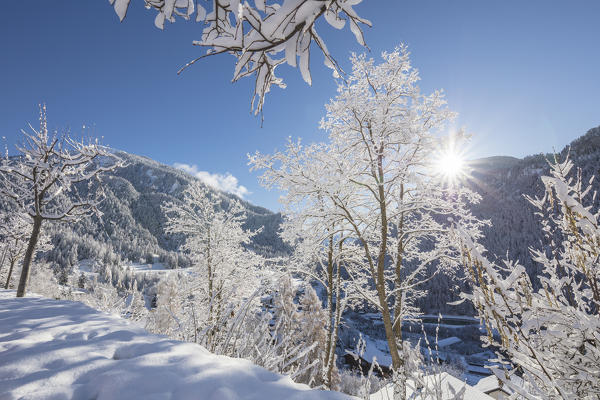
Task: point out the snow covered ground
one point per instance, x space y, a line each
54 349
440 385
156 267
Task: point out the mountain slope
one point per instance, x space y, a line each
63 349
503 183
132 226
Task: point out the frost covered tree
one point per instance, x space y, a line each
44 181
320 253
15 229
317 236
261 36
375 185
298 333
225 269
552 333
314 321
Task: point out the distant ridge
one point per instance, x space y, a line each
502 182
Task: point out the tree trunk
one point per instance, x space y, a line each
336 326
35 233
331 315
3 256
399 258
398 296
10 271
389 331
397 361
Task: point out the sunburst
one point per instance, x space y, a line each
450 164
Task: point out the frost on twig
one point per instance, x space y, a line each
48 181
261 36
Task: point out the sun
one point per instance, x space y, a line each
450 165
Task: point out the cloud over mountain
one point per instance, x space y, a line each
224 182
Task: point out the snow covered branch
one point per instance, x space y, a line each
261 36
552 334
48 179
371 190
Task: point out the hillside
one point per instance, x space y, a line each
132 226
503 183
63 349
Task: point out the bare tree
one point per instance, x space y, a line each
375 183
227 272
261 36
319 256
317 234
45 181
14 233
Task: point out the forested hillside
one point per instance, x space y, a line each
503 183
132 225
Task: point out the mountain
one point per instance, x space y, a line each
132 225
502 182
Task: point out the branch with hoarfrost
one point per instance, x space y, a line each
261 36
46 181
551 334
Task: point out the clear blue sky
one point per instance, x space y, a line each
524 76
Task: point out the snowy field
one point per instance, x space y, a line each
52 349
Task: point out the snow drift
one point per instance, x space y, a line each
52 349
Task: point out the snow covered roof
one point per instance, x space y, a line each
488 384
448 384
63 349
448 341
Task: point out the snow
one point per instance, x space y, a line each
376 349
448 383
62 349
491 383
488 384
478 369
448 342
151 175
156 267
120 8
459 318
87 266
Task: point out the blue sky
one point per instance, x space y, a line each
523 75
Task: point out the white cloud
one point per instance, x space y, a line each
224 182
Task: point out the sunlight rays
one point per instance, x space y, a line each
449 161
